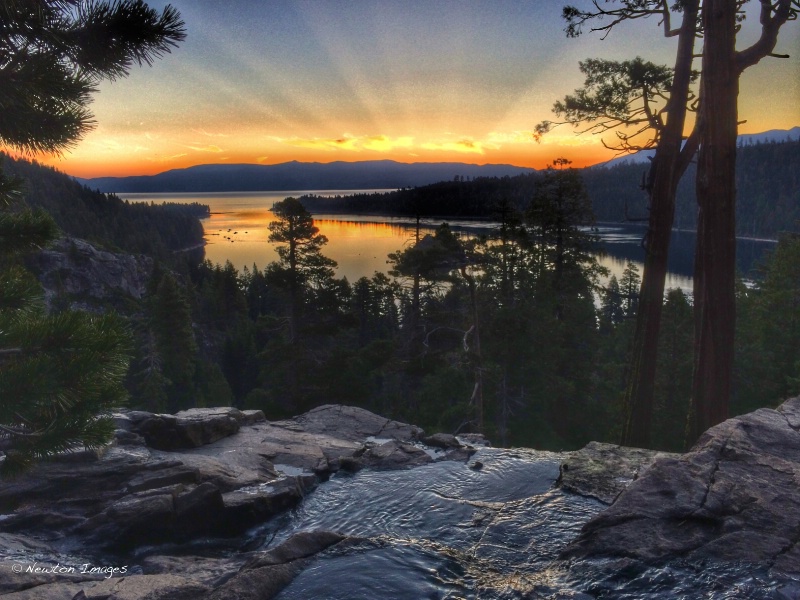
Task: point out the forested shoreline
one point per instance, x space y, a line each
768 183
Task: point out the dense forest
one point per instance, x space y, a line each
510 334
768 184
157 230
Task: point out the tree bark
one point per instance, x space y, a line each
715 254
668 166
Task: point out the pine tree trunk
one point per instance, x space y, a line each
669 165
715 254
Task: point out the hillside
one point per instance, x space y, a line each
105 219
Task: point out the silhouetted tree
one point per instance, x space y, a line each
715 252
301 260
646 105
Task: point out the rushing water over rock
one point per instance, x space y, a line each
445 530
340 503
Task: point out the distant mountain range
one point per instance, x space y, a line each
363 175
297 176
773 135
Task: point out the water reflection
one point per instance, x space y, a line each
237 231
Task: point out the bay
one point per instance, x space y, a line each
237 231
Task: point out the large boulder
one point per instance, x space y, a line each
733 497
187 429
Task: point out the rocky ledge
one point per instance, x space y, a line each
175 478
732 498
214 471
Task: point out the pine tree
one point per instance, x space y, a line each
60 374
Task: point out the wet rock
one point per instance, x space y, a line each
265 576
162 478
227 470
441 440
243 508
395 455
475 440
193 507
603 471
48 591
212 572
733 497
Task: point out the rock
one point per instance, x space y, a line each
146 587
162 478
603 471
48 591
265 576
92 278
212 471
251 417
394 455
193 508
441 440
212 572
733 497
137 518
247 506
187 429
350 423
476 440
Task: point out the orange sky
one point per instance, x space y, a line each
415 81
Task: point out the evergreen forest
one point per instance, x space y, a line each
510 334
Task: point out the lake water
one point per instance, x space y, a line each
237 231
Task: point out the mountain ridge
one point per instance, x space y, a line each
341 175
294 175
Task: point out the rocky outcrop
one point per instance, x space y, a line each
203 472
90 277
733 497
173 478
604 471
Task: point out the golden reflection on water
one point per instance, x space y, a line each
359 247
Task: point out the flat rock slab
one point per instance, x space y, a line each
733 497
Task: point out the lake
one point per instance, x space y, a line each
237 231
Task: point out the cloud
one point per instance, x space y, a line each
465 145
374 143
210 148
163 159
208 134
510 137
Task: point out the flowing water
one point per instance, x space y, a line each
451 531
445 530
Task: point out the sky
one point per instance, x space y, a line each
271 81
